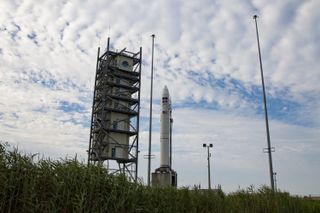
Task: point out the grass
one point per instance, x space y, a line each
27 185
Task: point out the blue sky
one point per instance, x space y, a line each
205 53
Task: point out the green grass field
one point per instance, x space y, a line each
43 185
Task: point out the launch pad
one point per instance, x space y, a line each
164 176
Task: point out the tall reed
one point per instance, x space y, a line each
67 185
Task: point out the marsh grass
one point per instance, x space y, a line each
43 185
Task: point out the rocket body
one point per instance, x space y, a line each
165 175
165 128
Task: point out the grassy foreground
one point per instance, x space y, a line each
70 186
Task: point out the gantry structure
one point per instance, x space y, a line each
114 130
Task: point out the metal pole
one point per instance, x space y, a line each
269 151
171 121
150 117
275 181
138 118
209 178
93 102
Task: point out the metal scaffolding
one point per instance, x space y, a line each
114 131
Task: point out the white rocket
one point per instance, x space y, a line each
165 175
165 119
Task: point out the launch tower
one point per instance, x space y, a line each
114 130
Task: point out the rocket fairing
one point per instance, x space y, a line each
165 128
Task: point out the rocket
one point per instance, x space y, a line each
165 119
165 175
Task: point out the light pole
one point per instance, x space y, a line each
209 155
275 181
269 150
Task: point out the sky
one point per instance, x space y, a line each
205 52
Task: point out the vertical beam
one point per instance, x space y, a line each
93 103
138 118
269 151
275 181
170 147
100 161
209 175
108 44
150 116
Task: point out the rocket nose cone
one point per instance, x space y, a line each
165 92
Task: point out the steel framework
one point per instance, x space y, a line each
114 130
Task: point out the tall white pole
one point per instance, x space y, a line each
150 116
269 150
208 146
209 175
